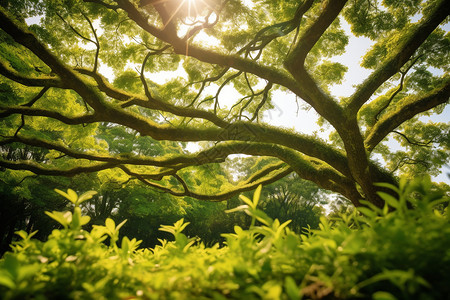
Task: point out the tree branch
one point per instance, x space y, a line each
223 195
262 39
68 77
51 171
310 37
209 56
406 109
12 74
159 104
99 2
28 111
410 141
97 43
403 53
400 88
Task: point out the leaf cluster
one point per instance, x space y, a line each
381 253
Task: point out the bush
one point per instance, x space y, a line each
395 252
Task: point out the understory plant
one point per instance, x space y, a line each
399 252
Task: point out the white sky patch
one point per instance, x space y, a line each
206 40
352 58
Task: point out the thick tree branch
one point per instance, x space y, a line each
69 78
294 63
52 171
155 103
144 177
310 37
12 74
28 111
243 131
99 2
307 167
406 109
209 56
213 155
403 53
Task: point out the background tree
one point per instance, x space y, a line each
57 98
294 199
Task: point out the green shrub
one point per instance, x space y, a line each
391 253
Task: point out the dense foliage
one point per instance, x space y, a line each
374 253
23 203
119 87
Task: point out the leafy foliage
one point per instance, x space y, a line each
119 88
381 253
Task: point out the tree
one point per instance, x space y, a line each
296 200
57 96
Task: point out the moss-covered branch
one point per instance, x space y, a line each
405 110
413 40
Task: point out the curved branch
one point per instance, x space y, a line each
224 195
68 77
143 177
265 171
281 29
28 111
99 2
406 109
12 74
410 141
97 43
414 40
263 101
39 169
37 97
133 99
399 89
310 37
209 56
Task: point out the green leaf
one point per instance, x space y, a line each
292 289
6 280
261 217
238 208
120 225
247 201
256 195
11 265
383 296
24 235
367 212
388 185
389 199
84 220
110 225
63 218
86 196
372 206
70 195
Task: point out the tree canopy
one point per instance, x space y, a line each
80 91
